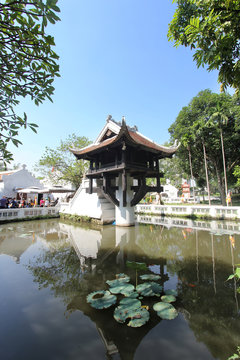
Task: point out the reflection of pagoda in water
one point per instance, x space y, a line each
195 260
13 246
102 254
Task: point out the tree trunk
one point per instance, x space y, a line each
190 164
221 185
224 167
206 170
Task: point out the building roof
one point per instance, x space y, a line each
7 172
113 133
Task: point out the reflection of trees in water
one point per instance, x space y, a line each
212 316
201 262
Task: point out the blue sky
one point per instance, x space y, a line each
114 59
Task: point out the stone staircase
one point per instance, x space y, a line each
93 205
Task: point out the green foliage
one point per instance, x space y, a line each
236 274
60 165
236 173
136 265
211 29
206 116
173 170
75 218
236 355
28 63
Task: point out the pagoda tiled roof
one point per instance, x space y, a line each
131 137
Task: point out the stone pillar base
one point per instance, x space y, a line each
124 215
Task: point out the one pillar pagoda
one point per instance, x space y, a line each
121 160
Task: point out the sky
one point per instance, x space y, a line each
115 59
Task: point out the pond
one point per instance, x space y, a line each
47 268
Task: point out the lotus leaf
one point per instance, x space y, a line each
136 265
133 294
130 303
149 289
151 277
123 277
117 282
168 298
138 316
171 292
122 288
165 310
101 299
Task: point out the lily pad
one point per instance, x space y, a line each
165 311
138 317
117 282
168 298
136 265
122 277
149 289
101 299
151 277
171 292
130 303
122 288
132 295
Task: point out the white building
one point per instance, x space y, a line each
170 191
13 180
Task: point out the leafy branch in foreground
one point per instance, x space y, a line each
27 61
211 29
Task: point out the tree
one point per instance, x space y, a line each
173 170
27 61
221 118
60 165
211 29
236 173
197 123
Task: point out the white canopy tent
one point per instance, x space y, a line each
36 190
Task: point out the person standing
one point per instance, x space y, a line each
3 202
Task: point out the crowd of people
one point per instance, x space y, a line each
7 202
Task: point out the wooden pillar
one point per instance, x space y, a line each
90 185
158 176
104 183
124 188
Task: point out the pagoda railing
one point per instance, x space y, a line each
119 164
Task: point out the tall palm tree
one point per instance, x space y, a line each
186 143
198 132
219 118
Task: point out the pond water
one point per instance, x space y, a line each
47 268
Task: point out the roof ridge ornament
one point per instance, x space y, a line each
109 118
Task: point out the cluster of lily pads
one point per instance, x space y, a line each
130 307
